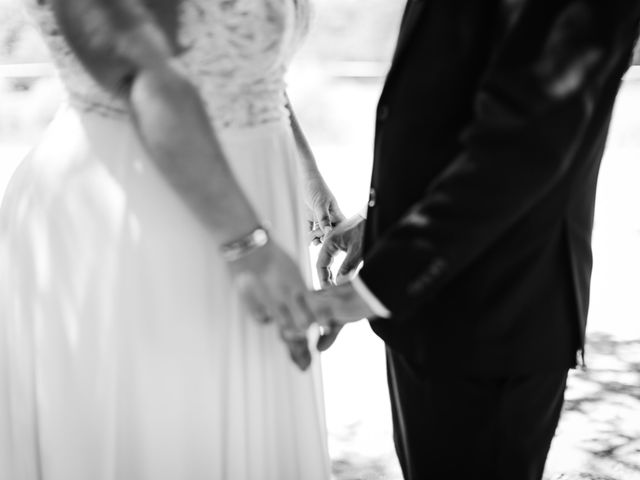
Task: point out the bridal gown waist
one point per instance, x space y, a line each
236 112
248 125
108 144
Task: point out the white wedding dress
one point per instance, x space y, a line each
125 353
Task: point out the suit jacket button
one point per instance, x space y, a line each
383 113
372 198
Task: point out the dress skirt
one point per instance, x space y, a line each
125 353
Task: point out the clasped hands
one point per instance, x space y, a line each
274 291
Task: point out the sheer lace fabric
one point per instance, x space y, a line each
235 51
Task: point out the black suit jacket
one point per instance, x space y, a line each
490 131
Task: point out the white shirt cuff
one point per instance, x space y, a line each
363 212
369 298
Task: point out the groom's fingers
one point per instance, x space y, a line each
320 304
328 337
350 263
325 276
303 300
325 259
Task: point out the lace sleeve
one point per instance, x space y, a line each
234 51
82 90
237 51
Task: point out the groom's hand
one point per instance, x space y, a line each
333 307
345 237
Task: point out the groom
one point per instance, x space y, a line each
476 258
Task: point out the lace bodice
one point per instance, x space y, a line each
235 52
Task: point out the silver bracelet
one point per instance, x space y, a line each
243 246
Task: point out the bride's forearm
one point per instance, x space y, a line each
324 212
307 159
173 124
129 51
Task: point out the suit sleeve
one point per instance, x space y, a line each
536 99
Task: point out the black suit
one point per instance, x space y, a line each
490 132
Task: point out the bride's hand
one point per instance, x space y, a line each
323 210
273 290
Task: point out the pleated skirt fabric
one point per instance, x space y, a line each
125 353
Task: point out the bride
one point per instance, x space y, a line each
158 218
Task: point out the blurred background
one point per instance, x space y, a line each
334 83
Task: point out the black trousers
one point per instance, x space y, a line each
461 428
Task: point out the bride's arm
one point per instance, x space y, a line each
128 53
126 49
323 207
